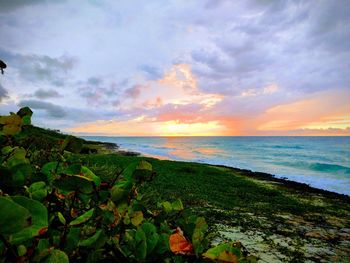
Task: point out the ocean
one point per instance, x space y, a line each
322 162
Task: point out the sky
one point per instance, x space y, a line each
178 67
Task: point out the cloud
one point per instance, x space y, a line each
133 92
45 94
7 6
152 73
52 110
3 93
40 68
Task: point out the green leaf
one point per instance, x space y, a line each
199 235
73 238
140 244
21 250
225 252
72 144
152 236
76 183
89 174
7 149
136 218
168 208
13 217
26 120
57 256
177 205
83 218
163 244
129 170
96 241
77 169
39 219
25 111
61 218
38 190
18 156
20 173
49 170
121 190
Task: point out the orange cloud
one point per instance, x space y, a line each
321 111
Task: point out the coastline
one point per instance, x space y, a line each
115 148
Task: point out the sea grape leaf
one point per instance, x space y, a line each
72 144
121 190
12 124
11 129
199 235
143 171
42 250
7 149
38 190
73 238
13 216
83 218
73 169
18 156
136 218
152 236
26 120
25 111
167 207
163 244
39 219
20 173
129 170
21 250
177 205
52 169
89 174
57 256
96 241
225 252
179 244
77 169
74 183
61 218
140 244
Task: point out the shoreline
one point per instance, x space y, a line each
276 219
115 148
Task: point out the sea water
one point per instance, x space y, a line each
322 162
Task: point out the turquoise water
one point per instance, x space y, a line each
322 162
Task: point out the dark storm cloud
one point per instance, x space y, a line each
51 109
11 5
3 93
37 68
45 94
299 45
7 5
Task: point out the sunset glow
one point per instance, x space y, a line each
206 68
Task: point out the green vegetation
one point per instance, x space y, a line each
63 198
56 209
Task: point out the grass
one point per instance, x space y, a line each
258 208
